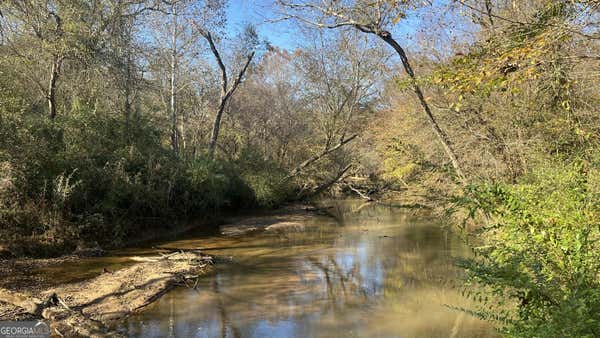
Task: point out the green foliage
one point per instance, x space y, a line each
219 184
265 178
402 161
85 178
268 191
542 249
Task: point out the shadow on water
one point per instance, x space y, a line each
374 271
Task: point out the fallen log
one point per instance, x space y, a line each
311 160
324 186
360 193
26 302
176 250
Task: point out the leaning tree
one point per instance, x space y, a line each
377 18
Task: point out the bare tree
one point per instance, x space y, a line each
376 18
342 77
51 32
173 81
42 23
226 89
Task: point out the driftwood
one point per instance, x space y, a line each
177 250
360 193
65 321
87 307
29 304
311 160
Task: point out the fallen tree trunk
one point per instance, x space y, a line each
360 193
26 302
319 189
85 308
311 160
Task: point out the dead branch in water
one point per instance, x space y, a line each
360 193
66 321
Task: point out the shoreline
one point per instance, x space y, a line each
132 277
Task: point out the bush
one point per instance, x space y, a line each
84 177
216 185
267 189
264 177
542 250
79 178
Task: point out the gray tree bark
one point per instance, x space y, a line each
226 92
52 85
439 132
314 159
173 83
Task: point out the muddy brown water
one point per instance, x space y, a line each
372 271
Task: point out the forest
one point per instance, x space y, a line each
123 117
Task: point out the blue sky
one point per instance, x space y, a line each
258 12
407 32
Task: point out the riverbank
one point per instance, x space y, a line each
103 293
87 308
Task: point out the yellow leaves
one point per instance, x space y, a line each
456 106
515 90
491 71
394 169
530 72
504 64
583 133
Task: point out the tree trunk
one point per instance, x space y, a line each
214 135
127 104
225 96
324 186
51 95
173 80
440 134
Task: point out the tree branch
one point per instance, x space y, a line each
240 76
312 160
319 189
208 36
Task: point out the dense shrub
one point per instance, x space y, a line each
542 250
265 178
85 178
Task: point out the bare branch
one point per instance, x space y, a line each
314 159
208 36
240 76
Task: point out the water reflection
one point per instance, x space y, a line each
377 272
